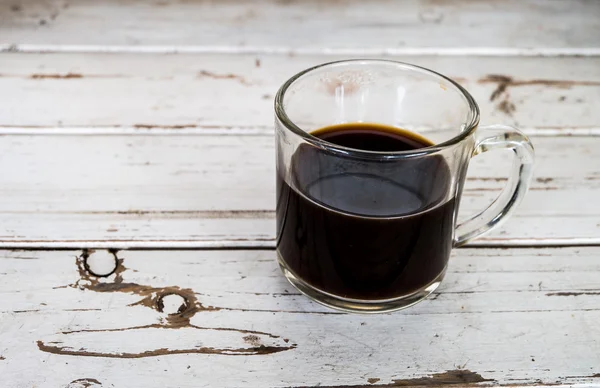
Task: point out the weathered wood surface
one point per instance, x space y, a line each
192 93
350 27
501 317
131 123
218 191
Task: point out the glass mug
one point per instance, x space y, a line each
371 231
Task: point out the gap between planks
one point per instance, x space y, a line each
279 50
6 130
261 244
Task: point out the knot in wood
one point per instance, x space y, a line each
100 264
172 303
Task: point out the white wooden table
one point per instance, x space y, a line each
136 142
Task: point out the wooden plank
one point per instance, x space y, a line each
349 27
218 191
199 93
497 319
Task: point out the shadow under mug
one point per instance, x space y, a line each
391 251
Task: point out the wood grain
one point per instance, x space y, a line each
347 27
218 191
133 123
107 93
69 325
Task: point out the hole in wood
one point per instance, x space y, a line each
172 304
100 263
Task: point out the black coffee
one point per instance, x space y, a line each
363 228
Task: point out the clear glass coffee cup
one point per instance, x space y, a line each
366 230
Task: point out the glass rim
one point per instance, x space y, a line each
470 125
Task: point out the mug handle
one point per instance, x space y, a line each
490 138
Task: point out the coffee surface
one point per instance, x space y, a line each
365 228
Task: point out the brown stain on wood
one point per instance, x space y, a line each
151 296
372 380
504 82
303 312
56 76
252 339
251 336
65 351
231 76
42 76
2 358
159 326
507 107
457 377
152 126
573 293
544 180
51 76
487 179
210 214
475 189
22 257
85 382
451 377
